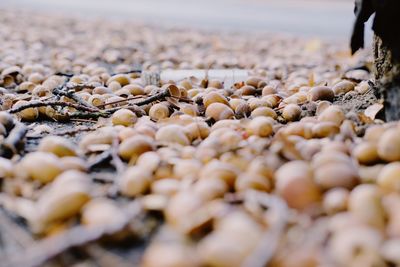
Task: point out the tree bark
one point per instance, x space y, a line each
387 79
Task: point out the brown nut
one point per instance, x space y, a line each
261 126
29 114
172 134
343 87
42 166
321 93
264 111
124 117
219 111
366 153
325 129
291 112
389 145
102 212
294 183
365 204
389 177
159 111
214 97
332 114
135 181
65 197
246 181
131 148
57 145
336 200
333 175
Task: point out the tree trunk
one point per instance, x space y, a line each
387 78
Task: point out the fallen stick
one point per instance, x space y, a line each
48 248
269 242
36 104
10 145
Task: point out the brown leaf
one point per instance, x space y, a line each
373 110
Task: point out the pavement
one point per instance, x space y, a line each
311 18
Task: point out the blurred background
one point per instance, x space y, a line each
328 19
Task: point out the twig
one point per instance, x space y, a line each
85 115
10 145
52 246
36 104
61 91
104 156
105 258
76 130
157 97
278 210
121 101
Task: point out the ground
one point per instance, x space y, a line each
193 172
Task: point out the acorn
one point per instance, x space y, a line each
325 129
102 212
124 117
219 111
159 111
131 148
197 130
122 79
189 109
166 187
294 183
235 238
268 90
298 128
96 100
332 175
57 145
389 177
246 181
261 126
210 189
172 134
103 136
365 204
374 133
264 111
29 114
180 208
135 181
42 166
235 102
366 153
343 87
291 112
214 97
335 200
321 106
389 145
186 167
243 110
74 163
356 246
215 84
332 114
36 78
321 93
65 197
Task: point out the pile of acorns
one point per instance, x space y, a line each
206 156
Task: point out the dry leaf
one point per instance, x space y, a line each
373 110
